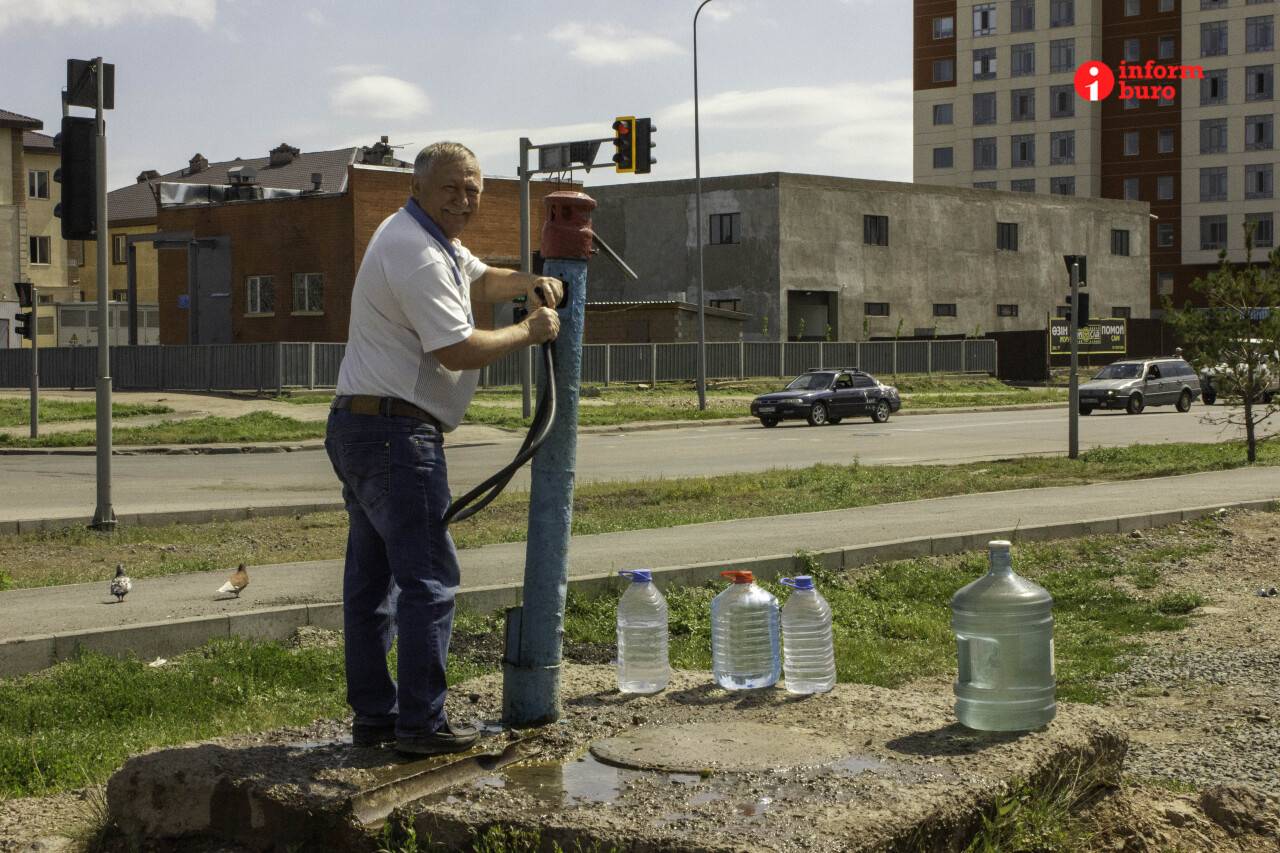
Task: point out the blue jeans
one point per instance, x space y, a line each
401 568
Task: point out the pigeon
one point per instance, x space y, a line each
120 584
237 582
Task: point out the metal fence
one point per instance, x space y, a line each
273 366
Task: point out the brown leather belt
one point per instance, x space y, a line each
387 407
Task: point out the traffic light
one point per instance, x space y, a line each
1078 315
25 323
78 146
624 139
643 133
1083 260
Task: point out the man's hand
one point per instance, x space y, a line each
543 323
545 290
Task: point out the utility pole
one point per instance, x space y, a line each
104 516
1073 394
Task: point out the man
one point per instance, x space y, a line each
409 372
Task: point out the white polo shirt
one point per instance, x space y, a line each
406 303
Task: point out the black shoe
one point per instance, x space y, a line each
445 740
366 735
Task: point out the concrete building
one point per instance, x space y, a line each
995 106
15 245
809 257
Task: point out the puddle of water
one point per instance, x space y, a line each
705 797
585 780
855 765
756 808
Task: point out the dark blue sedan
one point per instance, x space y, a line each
827 395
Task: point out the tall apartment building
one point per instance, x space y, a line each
995 107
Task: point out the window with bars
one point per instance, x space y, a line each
1213 135
1213 38
984 19
875 309
725 228
1213 87
1259 132
1062 13
984 153
1258 181
1022 16
1023 149
1259 34
1023 185
260 294
984 108
1259 83
1213 232
1062 55
1213 184
1264 235
1062 147
875 230
1022 60
308 293
1022 105
1065 185
1062 101
944 309
984 64
984 185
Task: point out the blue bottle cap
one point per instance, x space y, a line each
638 575
799 582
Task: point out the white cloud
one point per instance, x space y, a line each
317 18
601 45
801 106
380 97
356 70
104 13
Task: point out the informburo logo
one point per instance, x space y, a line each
1149 81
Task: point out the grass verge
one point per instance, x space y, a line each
255 427
77 555
16 411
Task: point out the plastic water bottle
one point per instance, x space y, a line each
809 658
1004 637
643 666
744 635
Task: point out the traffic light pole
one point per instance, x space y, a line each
1073 395
35 362
104 516
526 265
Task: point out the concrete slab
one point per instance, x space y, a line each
858 769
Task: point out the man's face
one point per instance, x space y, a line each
450 194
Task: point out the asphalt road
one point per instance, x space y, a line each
56 486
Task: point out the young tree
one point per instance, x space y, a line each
1235 338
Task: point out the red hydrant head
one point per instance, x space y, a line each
566 231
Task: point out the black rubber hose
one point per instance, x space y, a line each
543 417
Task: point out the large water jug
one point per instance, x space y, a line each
744 635
1004 637
808 653
643 666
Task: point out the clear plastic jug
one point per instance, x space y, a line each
808 653
744 635
1004 641
643 665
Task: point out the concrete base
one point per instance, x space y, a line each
857 769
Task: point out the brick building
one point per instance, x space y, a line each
282 268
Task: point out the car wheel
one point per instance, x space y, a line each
1135 404
880 413
1184 401
818 415
1086 410
1210 398
768 423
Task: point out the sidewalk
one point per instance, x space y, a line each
165 615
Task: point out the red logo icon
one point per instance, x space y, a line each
1094 81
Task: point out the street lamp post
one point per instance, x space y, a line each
697 171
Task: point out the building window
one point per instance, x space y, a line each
1022 105
1164 187
1022 60
1121 312
1213 87
1131 189
1131 143
1164 141
1213 135
1164 6
942 114
1007 236
1258 181
1213 38
1062 147
1167 47
984 108
1213 184
984 19
943 158
1164 284
984 185
726 228
944 70
1259 83
1023 149
37 184
1165 234
119 249
726 304
1259 34
38 250
1063 185
1213 232
1062 101
1062 55
1022 16
875 230
1062 13
944 309
944 28
1263 229
260 294
1023 185
984 153
875 309
1006 310
1213 4
1259 133
308 293
1132 50
984 64
1119 242
1132 7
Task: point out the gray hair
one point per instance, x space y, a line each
441 152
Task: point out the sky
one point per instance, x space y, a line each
813 86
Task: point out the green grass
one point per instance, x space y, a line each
305 398
256 427
16 411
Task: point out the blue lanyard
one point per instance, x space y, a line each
428 224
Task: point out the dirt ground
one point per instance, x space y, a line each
1201 707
